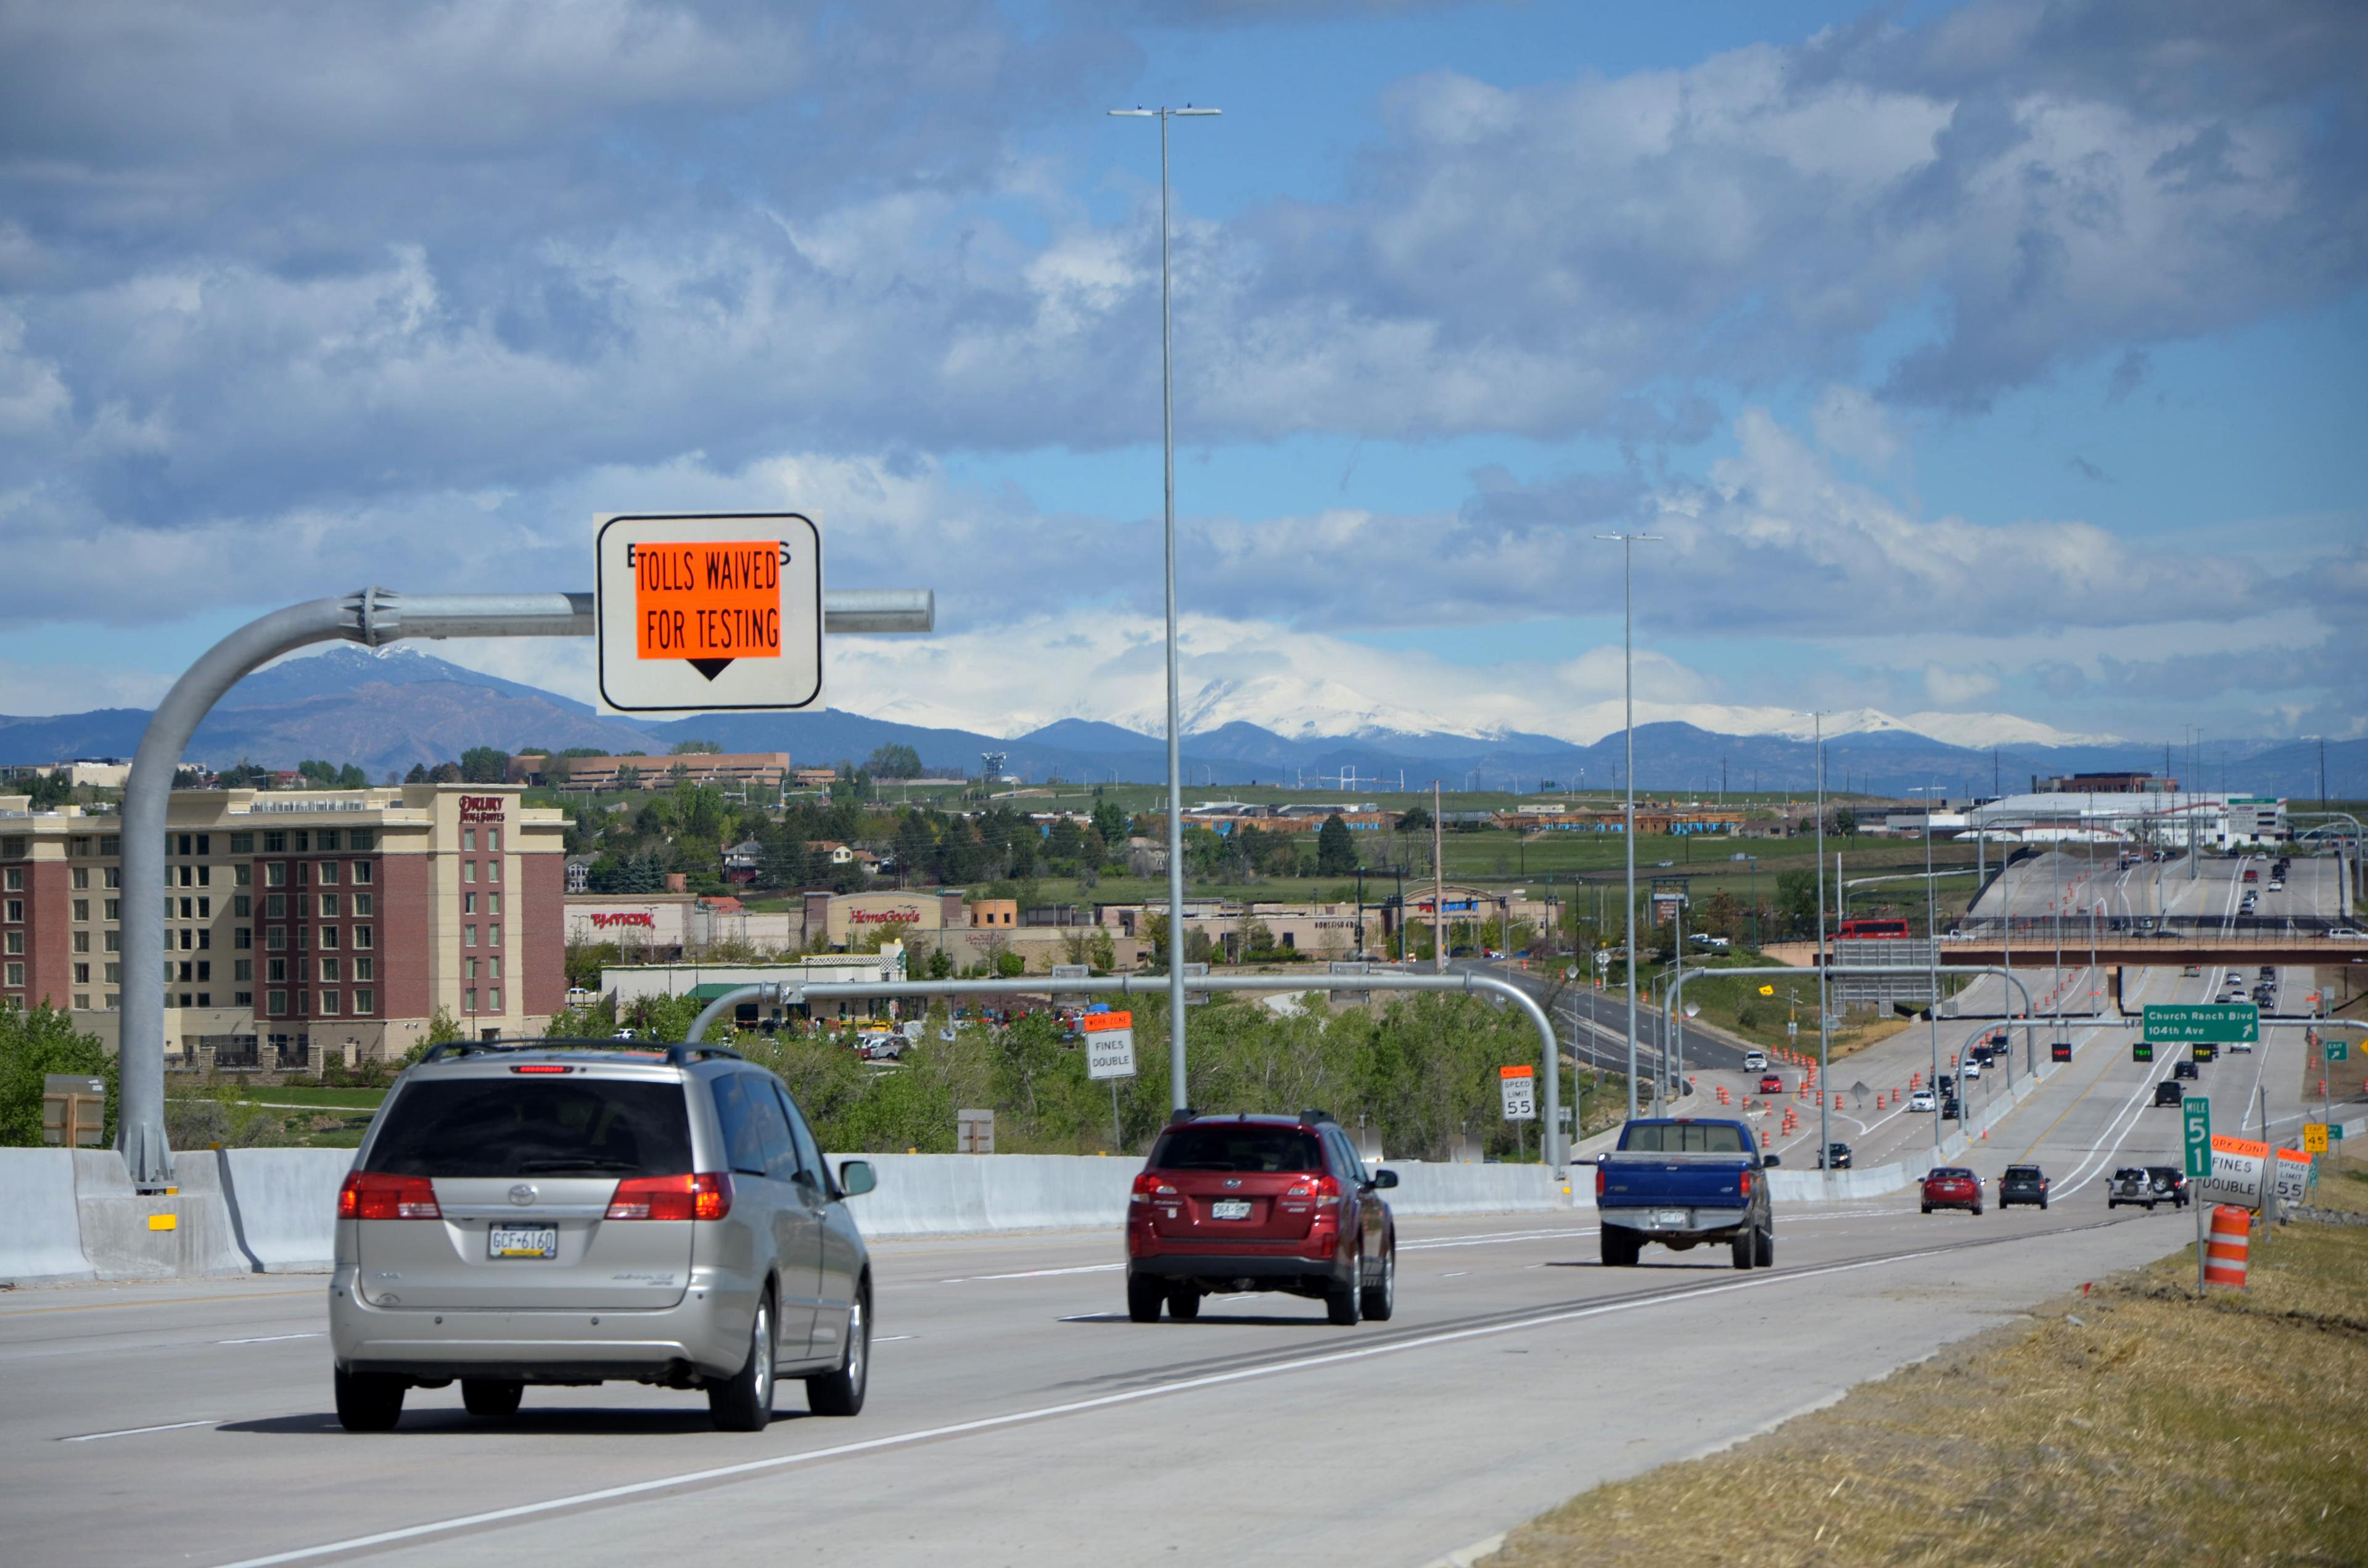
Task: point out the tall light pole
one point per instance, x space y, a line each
1933 961
1177 1095
1628 543
1825 1003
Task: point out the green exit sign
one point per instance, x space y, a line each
2338 1050
2191 1023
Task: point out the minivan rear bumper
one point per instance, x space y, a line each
705 1334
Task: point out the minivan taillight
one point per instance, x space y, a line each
1150 1185
707 1196
373 1195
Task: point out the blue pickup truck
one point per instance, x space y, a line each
1685 1183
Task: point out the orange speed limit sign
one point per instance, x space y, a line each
709 613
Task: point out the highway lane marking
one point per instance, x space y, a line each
892 1338
273 1339
1037 1273
13 1311
1053 1412
138 1431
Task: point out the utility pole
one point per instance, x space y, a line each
1628 543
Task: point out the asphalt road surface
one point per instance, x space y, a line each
1016 1418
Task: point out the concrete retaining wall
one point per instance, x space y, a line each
41 1236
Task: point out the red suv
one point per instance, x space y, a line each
1770 1084
1259 1203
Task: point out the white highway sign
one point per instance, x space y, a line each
704 614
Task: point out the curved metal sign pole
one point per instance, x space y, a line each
1155 984
373 617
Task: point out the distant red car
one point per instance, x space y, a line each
1952 1186
1770 1084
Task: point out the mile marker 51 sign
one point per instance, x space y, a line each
704 614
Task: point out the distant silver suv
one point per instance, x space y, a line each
565 1213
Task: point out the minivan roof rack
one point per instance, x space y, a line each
678 1053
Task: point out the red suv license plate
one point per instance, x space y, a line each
1230 1208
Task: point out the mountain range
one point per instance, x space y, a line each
387 710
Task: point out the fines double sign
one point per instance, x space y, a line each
709 613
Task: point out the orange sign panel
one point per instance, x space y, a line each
1094 1023
708 600
1516 1071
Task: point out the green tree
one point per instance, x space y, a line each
1335 851
418 774
696 748
50 791
446 773
34 1045
485 765
1413 819
894 762
1110 820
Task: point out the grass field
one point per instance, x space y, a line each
2133 1425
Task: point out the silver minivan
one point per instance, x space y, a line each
576 1212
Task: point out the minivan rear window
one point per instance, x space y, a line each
1682 1138
515 1127
1248 1148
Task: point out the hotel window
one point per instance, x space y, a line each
468 904
332 972
14 879
205 970
82 909
468 998
81 878
493 870
82 974
275 873
361 935
328 873
365 905
493 1000
304 873
242 968
276 970
205 936
328 937
365 969
275 1003
242 937
328 907
187 905
82 1001
468 936
493 904
242 875
326 839
359 839
242 998
275 906
241 905
14 942
79 847
304 842
112 942
493 940
111 875
303 937
275 939
16 911
365 1001
114 909
493 840
205 909
467 870
494 971
114 972
82 941
15 974
363 873
275 844
189 973
469 969
242 844
110 843
189 876
468 841
205 876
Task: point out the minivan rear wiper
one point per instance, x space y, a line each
591 1162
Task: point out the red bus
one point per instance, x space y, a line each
1865 930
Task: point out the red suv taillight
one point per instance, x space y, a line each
370 1195
1328 1191
1151 1185
707 1196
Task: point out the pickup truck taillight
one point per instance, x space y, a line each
1149 1186
371 1194
1598 1183
1743 1184
705 1196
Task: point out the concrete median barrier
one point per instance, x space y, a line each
284 1204
1427 1190
126 1234
41 1234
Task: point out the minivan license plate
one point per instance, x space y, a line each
523 1240
1230 1208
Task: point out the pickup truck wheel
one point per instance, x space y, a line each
1745 1248
1763 1254
1620 1247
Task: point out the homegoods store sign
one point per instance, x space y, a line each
2214 1023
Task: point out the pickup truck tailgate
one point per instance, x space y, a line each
1688 1181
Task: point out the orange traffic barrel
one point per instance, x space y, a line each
2223 1258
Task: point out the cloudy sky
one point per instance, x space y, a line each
2003 364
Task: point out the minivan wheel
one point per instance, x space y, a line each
1381 1296
743 1401
368 1401
841 1393
1143 1299
496 1397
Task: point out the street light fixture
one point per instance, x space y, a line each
1628 543
1177 1095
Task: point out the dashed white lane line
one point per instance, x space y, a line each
138 1431
1037 1273
272 1338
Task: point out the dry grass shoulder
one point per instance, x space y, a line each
2134 1425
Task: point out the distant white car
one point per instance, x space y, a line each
1973 1069
1920 1100
1755 1061
2345 934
